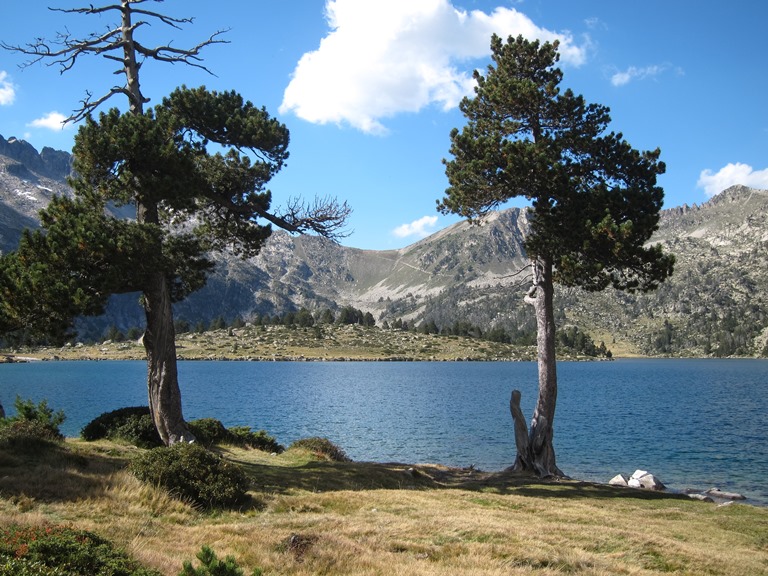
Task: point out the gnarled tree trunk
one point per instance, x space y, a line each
536 453
162 374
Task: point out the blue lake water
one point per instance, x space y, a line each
693 423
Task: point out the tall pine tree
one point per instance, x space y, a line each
188 201
594 200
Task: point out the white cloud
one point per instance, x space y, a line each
7 89
731 174
51 121
635 73
420 228
385 57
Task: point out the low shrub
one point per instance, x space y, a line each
133 425
322 448
260 440
27 436
208 431
53 550
190 472
210 565
34 426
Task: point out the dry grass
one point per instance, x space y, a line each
291 343
309 517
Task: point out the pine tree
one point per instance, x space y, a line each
594 200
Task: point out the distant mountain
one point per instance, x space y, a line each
715 304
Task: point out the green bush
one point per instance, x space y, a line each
133 425
210 565
62 551
208 431
190 472
322 448
260 440
27 436
34 426
41 413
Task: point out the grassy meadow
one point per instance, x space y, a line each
305 516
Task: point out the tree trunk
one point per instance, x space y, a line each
162 374
160 336
539 455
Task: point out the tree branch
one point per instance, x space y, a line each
64 50
325 217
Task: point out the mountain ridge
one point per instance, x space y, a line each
716 303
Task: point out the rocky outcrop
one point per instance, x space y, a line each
54 164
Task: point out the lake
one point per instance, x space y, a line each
693 423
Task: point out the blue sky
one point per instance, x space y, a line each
368 88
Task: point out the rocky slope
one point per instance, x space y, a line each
715 304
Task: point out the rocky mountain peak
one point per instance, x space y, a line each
54 164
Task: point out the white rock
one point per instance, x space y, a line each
725 495
645 480
619 480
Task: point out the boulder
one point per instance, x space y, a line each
619 480
717 493
645 480
702 497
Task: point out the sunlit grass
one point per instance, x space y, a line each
316 517
329 342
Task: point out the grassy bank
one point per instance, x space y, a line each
307 516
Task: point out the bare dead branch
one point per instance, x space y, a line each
189 56
324 217
88 105
65 50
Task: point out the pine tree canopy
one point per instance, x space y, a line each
594 199
196 165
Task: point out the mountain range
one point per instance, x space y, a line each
716 303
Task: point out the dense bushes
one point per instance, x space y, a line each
133 425
191 472
210 431
322 448
62 551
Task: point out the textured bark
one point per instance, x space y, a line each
539 453
162 374
522 461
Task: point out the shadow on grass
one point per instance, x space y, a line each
73 471
336 476
55 472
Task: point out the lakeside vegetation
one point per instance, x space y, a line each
331 342
308 515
